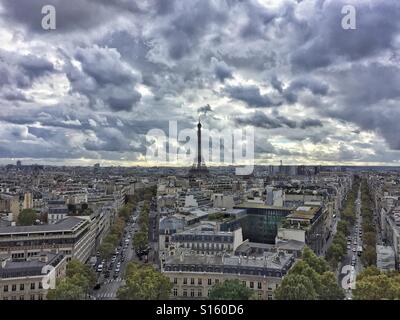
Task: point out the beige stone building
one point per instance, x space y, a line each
30 279
193 275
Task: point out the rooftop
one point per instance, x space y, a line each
67 224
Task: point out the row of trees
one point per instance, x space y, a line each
112 239
373 284
77 284
368 256
140 238
143 282
309 279
338 248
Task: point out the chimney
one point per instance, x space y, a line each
43 258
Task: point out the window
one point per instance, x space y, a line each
21 287
175 292
6 288
259 285
244 283
185 293
192 281
199 293
251 284
208 293
40 296
21 297
260 295
175 280
270 297
200 281
33 286
209 282
216 281
192 293
32 297
184 280
14 287
40 285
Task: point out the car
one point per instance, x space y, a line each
98 254
118 265
123 258
100 268
348 247
354 249
117 270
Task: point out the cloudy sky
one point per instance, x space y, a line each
112 70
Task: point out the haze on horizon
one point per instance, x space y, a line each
90 90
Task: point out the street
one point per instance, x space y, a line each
351 261
111 278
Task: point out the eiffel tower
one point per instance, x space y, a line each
199 168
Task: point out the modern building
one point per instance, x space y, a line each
72 237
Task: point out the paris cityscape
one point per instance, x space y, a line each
199 150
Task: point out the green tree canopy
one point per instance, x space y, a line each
296 287
143 282
77 283
26 217
230 290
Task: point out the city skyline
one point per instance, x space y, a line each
89 91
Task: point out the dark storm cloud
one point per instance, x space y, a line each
377 27
192 21
369 97
104 77
130 66
251 95
222 71
260 120
307 123
21 70
71 14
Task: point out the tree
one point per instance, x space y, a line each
318 264
370 238
140 240
312 276
376 288
26 217
77 283
330 290
66 290
368 256
296 287
82 273
230 290
144 283
106 249
343 227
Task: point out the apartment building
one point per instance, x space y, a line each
193 275
32 278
